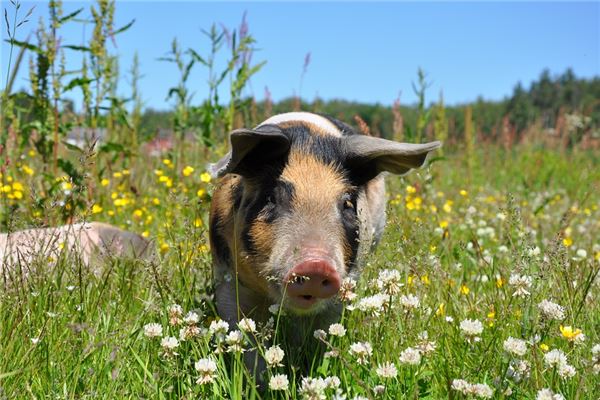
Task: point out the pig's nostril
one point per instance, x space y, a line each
307 297
325 282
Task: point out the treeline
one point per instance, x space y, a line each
543 105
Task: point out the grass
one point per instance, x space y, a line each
454 236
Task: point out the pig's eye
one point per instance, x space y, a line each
348 205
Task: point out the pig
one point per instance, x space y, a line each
300 201
90 242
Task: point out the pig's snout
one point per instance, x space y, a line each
310 281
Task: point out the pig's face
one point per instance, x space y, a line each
302 209
307 228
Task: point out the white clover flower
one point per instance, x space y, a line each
312 388
515 346
346 291
334 353
362 351
378 390
207 369
546 394
471 327
191 318
596 359
176 310
35 340
374 304
460 385
320 334
274 356
482 390
502 249
218 327
409 301
580 255
234 340
332 382
337 330
478 389
169 343
566 371
279 382
410 356
551 310
247 325
534 252
521 283
386 370
276 309
389 281
175 313
153 329
555 358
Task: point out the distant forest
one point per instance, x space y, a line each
547 104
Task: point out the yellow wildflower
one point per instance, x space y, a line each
544 347
410 189
499 282
569 333
201 193
464 289
198 222
29 171
104 182
464 193
441 310
205 177
96 209
117 175
568 241
164 247
187 171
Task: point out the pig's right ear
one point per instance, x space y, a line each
249 149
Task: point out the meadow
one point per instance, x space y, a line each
485 285
464 266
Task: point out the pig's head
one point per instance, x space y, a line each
302 212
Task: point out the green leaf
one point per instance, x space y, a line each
25 45
72 147
197 57
77 82
124 28
70 16
77 48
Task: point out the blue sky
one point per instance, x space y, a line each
364 51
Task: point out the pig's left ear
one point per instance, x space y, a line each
250 148
369 156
